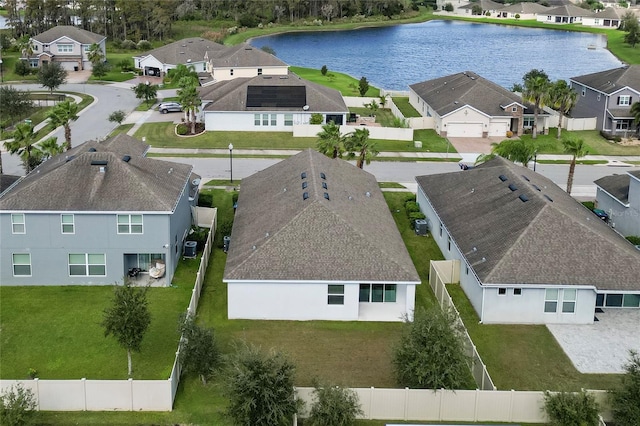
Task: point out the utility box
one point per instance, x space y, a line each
421 226
226 241
190 249
417 144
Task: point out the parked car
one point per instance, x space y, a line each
601 214
166 107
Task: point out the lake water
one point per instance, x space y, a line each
395 57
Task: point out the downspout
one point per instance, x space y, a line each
482 310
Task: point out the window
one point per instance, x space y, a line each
598 96
551 300
622 125
65 48
147 260
129 224
527 122
336 294
614 300
87 265
624 100
569 301
584 91
631 300
256 119
273 120
514 109
449 242
441 228
517 291
67 223
466 270
21 265
378 293
86 47
17 223
288 119
259 71
265 119
502 291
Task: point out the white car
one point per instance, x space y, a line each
166 107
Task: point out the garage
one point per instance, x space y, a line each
464 130
498 129
69 66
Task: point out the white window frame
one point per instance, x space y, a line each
65 47
14 264
72 223
288 119
384 293
256 120
87 264
527 122
548 299
129 224
16 223
624 100
569 302
335 292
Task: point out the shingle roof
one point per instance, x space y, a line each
569 10
608 13
231 95
525 7
616 185
6 181
243 55
184 51
70 182
612 80
485 4
75 33
452 92
278 235
534 242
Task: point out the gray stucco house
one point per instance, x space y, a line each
608 96
93 214
619 196
528 253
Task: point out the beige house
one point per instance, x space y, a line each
66 45
242 61
608 18
567 14
524 11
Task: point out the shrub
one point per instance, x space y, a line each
487 14
509 133
410 197
17 406
635 240
144 45
334 406
323 70
411 207
126 65
415 216
224 229
316 118
205 199
448 7
625 400
182 129
234 197
101 69
22 68
517 16
571 409
610 136
117 44
128 45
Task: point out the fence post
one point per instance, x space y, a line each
38 392
131 392
84 392
406 404
513 392
371 403
475 409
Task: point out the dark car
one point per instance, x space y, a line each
601 214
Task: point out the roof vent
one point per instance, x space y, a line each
526 178
126 158
502 177
368 194
523 198
536 187
266 77
69 158
99 162
284 77
324 185
189 60
548 198
303 175
326 195
182 53
305 108
305 195
323 176
92 149
513 187
304 185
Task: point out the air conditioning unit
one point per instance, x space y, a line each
421 226
189 251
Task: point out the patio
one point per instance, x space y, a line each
601 347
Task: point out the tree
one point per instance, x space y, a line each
181 70
358 145
100 69
625 400
189 99
334 406
24 144
50 148
448 7
52 75
22 67
331 142
561 98
199 352
145 91
635 111
62 115
476 9
323 70
94 54
260 388
536 85
14 103
363 86
576 148
632 35
430 353
516 150
17 406
117 116
128 318
571 409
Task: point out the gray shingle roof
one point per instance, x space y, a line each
70 182
612 80
75 33
534 242
616 185
243 55
525 7
485 4
350 237
452 92
231 95
609 13
6 181
569 10
184 51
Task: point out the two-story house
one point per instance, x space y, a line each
67 45
619 196
608 96
95 214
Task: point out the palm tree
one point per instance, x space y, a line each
62 115
635 111
24 144
94 54
189 99
535 91
359 145
576 148
180 71
516 150
50 148
331 142
561 98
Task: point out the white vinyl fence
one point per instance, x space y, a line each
116 395
387 133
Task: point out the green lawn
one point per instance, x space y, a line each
405 107
548 144
525 357
346 84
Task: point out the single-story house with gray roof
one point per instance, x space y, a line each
610 17
619 196
313 239
528 253
66 45
489 6
189 51
566 14
95 214
268 103
524 10
468 105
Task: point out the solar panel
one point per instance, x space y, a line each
276 96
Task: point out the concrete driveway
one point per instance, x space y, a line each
76 77
474 145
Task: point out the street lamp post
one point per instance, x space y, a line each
231 161
535 160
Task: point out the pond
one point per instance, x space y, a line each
395 57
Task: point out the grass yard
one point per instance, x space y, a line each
405 107
548 144
346 84
525 357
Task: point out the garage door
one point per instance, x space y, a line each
464 130
69 66
498 129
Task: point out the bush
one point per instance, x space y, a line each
635 240
126 65
17 406
415 216
571 409
411 207
448 7
128 45
323 70
182 129
143 45
101 69
224 229
509 133
316 118
205 199
517 16
610 136
334 406
625 400
234 197
117 44
22 68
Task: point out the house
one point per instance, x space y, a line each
242 60
619 196
528 253
67 45
313 239
468 105
608 96
608 18
524 11
487 6
95 214
268 103
566 14
188 51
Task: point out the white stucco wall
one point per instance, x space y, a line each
244 121
223 74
